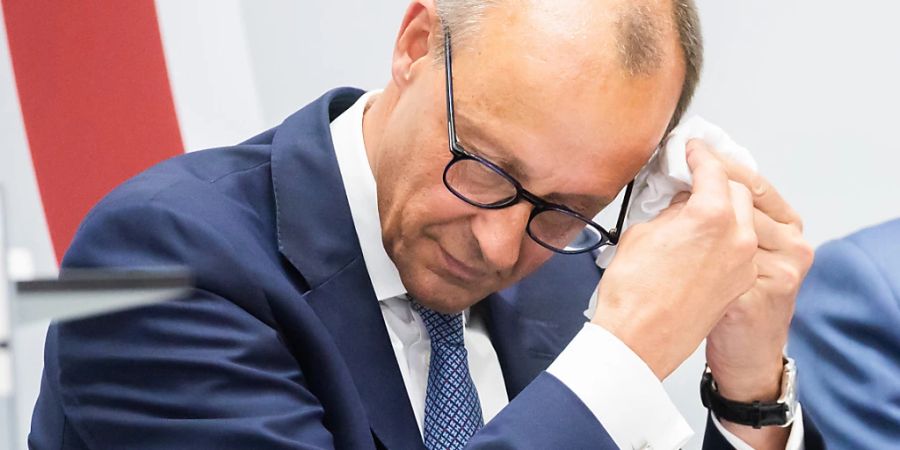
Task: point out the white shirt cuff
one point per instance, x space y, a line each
621 391
795 440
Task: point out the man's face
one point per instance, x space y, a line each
555 114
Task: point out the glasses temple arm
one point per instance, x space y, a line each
616 232
448 65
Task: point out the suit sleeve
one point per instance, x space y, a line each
204 371
546 414
846 340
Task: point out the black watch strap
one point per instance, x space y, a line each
756 414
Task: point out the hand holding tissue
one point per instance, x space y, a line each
722 262
667 173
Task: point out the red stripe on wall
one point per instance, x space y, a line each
96 100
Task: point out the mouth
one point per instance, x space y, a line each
458 269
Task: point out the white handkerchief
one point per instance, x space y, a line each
668 173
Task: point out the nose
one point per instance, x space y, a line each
500 232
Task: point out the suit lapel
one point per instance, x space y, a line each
316 234
347 306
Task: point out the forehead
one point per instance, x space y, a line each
563 114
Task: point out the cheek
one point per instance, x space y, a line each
531 256
432 208
417 205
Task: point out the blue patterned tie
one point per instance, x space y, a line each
452 409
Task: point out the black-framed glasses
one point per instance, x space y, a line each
481 183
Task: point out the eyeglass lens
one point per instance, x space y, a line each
480 185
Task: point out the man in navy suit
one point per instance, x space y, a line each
846 334
361 269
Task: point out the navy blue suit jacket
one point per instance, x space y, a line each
846 337
282 344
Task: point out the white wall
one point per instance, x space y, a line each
300 50
812 88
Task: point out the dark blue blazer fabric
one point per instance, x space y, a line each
846 338
281 345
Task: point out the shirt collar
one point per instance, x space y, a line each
359 184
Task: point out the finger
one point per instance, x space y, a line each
766 262
680 197
710 187
779 289
767 231
775 236
742 202
765 196
775 266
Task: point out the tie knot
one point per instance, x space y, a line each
446 329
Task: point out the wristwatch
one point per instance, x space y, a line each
757 414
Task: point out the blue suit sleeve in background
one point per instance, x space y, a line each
846 339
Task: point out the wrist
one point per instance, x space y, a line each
745 411
745 385
626 333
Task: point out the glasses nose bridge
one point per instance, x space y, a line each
537 205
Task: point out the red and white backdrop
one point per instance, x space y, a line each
94 91
99 101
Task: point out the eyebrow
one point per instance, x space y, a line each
578 202
474 136
515 167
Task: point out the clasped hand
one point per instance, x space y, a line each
723 262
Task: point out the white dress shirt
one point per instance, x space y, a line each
628 400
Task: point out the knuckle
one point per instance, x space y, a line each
802 251
787 279
760 185
751 276
740 189
713 213
746 243
806 253
794 232
738 312
791 278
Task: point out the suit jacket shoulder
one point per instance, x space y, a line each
846 339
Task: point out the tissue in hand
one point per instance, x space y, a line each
668 173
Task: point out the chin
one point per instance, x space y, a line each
434 292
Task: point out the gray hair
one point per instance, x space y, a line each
639 39
462 16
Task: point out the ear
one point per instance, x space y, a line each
415 41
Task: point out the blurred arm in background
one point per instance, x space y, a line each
846 335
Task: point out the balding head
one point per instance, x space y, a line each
640 30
